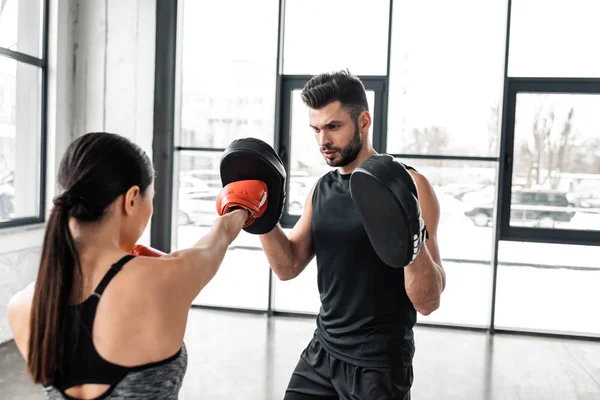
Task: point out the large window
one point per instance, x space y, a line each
22 111
496 106
445 119
331 35
548 287
228 87
556 178
228 70
466 192
554 38
551 188
446 77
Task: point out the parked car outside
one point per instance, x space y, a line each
535 207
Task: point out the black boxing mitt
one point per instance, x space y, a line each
254 159
386 196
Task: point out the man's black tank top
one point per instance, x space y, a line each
366 317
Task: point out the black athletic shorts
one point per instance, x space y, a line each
319 376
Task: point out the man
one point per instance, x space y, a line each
363 345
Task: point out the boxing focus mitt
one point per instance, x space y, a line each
250 195
141 250
254 159
386 196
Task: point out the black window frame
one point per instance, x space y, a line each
42 64
541 234
165 151
378 84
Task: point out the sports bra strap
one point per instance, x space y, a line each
116 267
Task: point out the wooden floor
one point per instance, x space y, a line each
241 356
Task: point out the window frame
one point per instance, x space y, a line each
377 84
518 233
42 64
165 152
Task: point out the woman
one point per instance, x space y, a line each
100 322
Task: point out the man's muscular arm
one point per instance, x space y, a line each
289 256
425 278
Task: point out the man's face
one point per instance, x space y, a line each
338 136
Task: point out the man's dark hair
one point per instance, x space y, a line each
326 88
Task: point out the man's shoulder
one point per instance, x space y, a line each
411 170
406 165
334 174
326 177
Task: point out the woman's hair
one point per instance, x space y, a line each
96 169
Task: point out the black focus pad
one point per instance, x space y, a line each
386 197
251 158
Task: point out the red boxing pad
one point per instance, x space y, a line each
141 250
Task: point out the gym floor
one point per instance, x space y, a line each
246 356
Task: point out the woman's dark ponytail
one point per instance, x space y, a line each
97 168
59 277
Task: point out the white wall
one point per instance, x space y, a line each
101 77
114 68
20 247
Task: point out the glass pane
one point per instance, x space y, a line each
20 139
228 85
548 287
21 26
446 82
554 38
243 279
300 294
307 163
466 193
307 166
556 178
465 242
198 186
332 35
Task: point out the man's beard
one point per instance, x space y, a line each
348 153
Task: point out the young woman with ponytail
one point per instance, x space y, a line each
102 321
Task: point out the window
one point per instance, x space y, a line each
552 142
446 77
554 38
445 119
548 287
553 168
306 161
21 26
220 76
22 112
228 89
323 36
298 295
466 194
305 166
509 145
